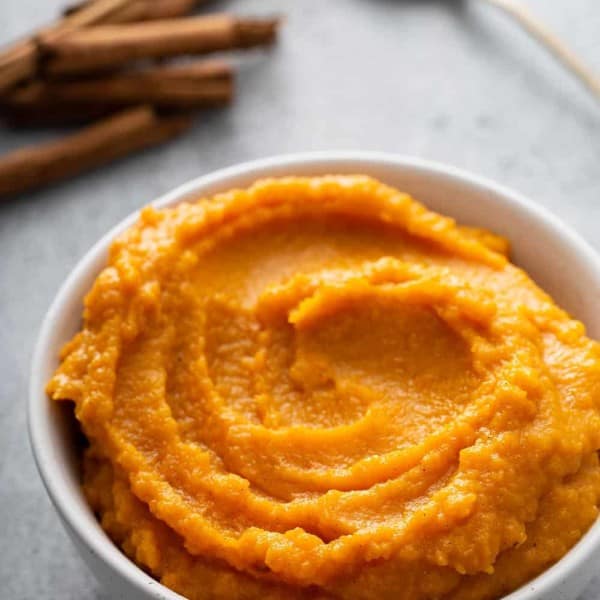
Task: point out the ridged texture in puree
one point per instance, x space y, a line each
316 387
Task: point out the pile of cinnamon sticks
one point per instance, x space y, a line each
114 67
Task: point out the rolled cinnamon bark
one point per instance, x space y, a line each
110 46
54 115
17 64
20 61
191 85
93 146
143 10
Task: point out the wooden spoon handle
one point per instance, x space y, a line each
551 41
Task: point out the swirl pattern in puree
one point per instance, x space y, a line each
316 387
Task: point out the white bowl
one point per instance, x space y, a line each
561 262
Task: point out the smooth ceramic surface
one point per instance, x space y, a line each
556 258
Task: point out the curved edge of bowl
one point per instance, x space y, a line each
565 579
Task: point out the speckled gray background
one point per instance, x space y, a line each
446 80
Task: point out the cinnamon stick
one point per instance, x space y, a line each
109 46
20 61
93 146
17 64
94 12
143 10
191 85
54 115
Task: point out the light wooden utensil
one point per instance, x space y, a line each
534 27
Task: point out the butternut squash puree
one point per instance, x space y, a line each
316 387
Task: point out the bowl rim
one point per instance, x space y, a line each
39 435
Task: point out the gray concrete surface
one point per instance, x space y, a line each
444 80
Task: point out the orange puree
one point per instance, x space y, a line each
317 388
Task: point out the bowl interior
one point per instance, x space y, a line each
560 262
